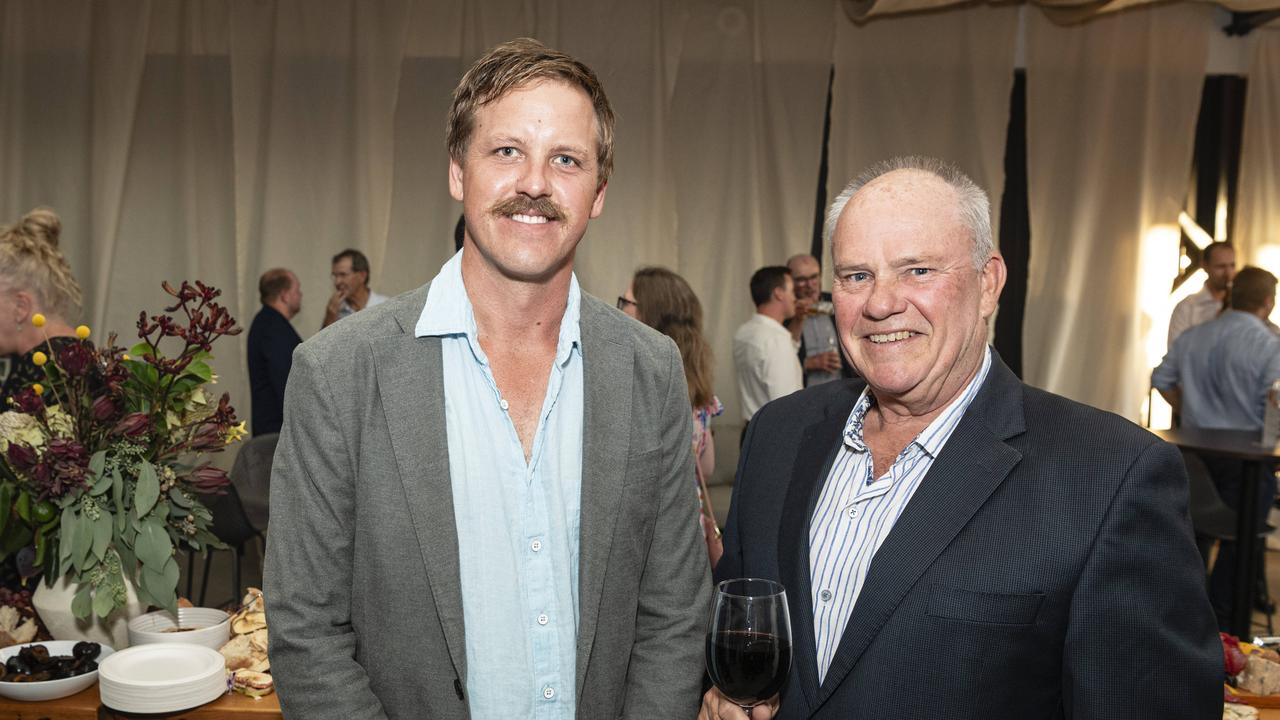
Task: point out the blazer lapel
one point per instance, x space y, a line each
411 383
607 375
818 446
970 467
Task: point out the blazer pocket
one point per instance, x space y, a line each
977 606
642 468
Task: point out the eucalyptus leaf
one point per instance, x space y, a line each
158 585
153 545
179 498
148 490
101 485
82 603
102 535
104 601
80 549
97 463
128 563
41 546
177 511
67 534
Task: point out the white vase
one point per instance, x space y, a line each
53 605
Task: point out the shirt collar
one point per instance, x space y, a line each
928 440
448 312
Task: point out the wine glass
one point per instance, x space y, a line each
749 642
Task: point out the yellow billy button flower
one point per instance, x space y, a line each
125 356
82 332
37 320
39 358
37 388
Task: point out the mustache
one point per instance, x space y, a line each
525 205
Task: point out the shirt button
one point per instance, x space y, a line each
504 404
825 595
536 545
853 513
543 619
548 692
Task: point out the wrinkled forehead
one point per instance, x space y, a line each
902 207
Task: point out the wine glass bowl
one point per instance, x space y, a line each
749 640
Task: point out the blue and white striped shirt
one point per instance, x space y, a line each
856 511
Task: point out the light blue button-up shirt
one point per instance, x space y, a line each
1223 369
517 522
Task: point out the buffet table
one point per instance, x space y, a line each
85 706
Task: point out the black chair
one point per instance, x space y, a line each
242 513
1213 520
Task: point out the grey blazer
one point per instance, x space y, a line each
362 587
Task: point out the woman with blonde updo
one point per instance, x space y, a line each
663 300
34 279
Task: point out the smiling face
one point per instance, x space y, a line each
528 182
910 307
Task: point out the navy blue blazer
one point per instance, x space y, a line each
271 343
1044 568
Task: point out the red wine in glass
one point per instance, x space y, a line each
749 642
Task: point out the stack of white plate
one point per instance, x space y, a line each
161 678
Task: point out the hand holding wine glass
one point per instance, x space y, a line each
748 649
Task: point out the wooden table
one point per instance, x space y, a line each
1242 445
85 706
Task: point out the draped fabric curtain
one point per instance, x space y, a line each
1111 110
1063 12
215 139
1257 232
954 68
746 140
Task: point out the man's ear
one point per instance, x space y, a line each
455 179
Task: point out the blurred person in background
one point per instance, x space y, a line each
270 347
664 301
764 353
35 279
1218 260
814 325
351 291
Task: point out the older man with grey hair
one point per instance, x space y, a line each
950 539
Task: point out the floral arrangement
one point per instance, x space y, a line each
101 467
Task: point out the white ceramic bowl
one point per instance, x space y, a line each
49 689
212 628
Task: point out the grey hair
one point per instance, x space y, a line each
975 208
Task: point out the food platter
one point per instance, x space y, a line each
1258 701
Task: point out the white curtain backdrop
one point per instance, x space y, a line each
215 139
1258 212
931 84
1111 109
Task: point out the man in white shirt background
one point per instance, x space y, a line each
351 291
764 353
1219 263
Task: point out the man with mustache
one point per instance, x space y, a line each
955 543
482 492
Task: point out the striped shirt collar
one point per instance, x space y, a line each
933 437
448 312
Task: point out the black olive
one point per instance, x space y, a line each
18 664
86 649
11 665
40 653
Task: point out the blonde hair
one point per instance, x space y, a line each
666 303
517 64
30 260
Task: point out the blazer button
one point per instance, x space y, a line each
457 688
